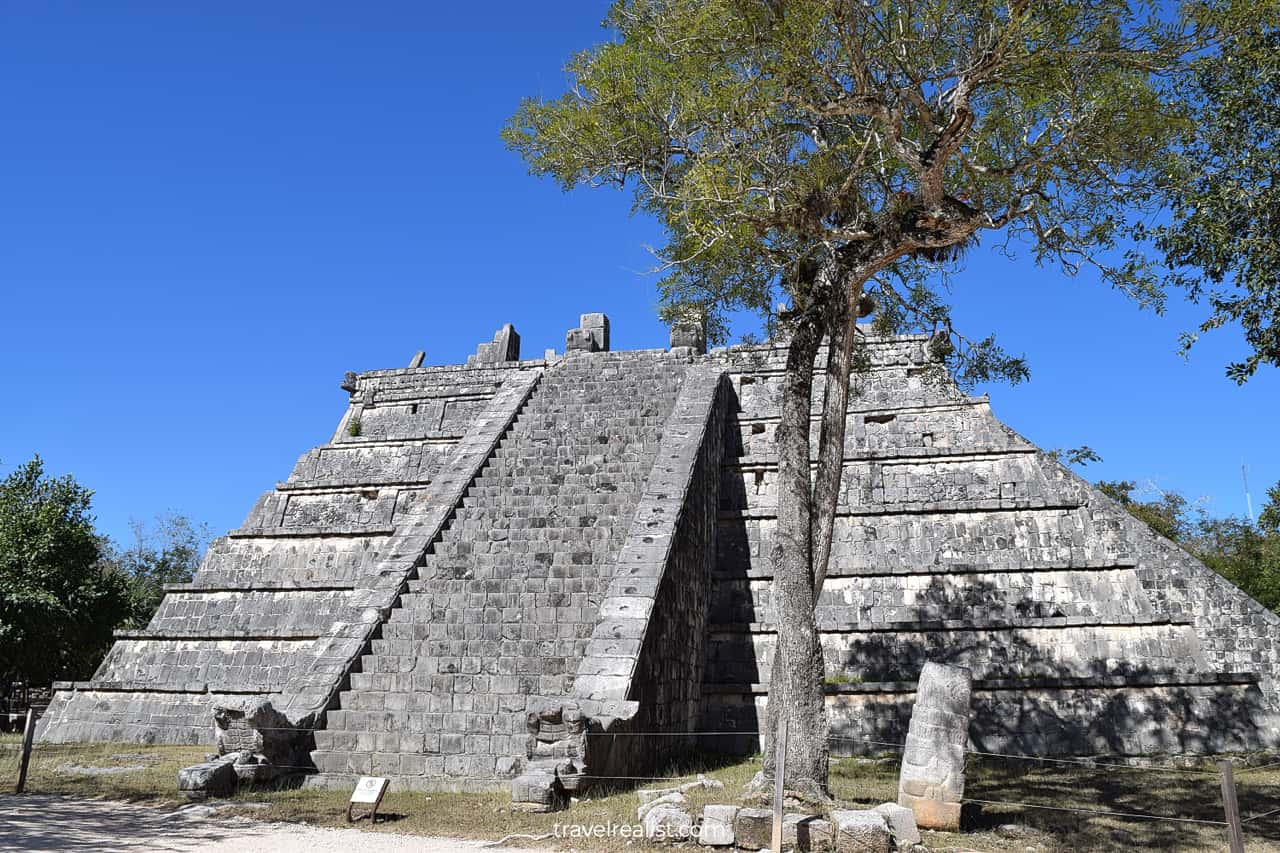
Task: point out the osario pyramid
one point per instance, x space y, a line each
491 557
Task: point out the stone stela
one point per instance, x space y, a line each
931 783
514 568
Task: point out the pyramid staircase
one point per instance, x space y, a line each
504 606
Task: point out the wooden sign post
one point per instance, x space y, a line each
369 792
1235 837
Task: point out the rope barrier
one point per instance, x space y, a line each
1086 763
1240 771
1098 812
1261 816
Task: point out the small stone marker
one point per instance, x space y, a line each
932 780
369 792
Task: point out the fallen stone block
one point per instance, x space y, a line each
704 783
753 828
648 795
537 791
902 825
667 823
215 778
861 831
716 828
806 832
675 798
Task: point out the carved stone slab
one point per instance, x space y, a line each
931 783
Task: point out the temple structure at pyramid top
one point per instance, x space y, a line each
488 559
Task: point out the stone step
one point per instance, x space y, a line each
1112 593
995 540
466 764
1030 682
1053 648
396 652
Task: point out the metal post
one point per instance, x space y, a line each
779 773
28 734
1235 835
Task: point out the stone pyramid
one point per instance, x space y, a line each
496 565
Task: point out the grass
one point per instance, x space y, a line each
856 782
843 678
53 769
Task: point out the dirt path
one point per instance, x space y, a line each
40 823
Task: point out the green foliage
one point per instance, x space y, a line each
1222 187
1269 518
166 552
354 427
1078 456
879 140
843 678
58 603
1246 554
1243 553
1166 515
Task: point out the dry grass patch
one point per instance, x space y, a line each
117 771
149 774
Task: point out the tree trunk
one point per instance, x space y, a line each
842 329
796 680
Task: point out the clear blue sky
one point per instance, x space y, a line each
209 211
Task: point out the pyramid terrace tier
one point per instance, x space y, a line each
132 713
968 482
406 462
759 392
258 613
961 428
246 563
986 540
1113 594
1017 648
1135 714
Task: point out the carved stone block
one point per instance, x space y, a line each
931 783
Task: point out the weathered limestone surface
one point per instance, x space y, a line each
501 620
931 782
957 541
282 607
478 543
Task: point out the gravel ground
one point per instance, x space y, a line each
39 823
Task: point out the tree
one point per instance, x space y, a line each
1166 515
166 552
1222 188
820 151
1244 553
58 605
1269 518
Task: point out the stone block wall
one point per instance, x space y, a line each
957 541
479 543
647 648
504 606
284 605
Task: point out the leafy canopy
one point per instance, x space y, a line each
1244 553
770 138
58 604
167 551
1223 192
